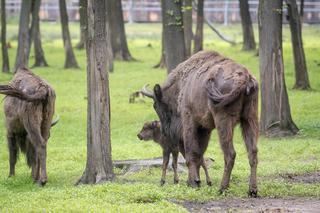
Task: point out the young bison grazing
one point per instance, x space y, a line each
152 131
205 92
29 108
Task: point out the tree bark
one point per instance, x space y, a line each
301 72
70 60
23 37
40 60
83 23
4 49
118 36
187 25
99 166
247 29
275 119
173 33
198 38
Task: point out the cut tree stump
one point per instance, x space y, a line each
132 166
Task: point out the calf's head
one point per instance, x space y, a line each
149 130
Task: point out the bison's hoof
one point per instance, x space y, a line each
162 182
42 183
253 193
222 191
194 183
176 181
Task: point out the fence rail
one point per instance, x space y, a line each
223 11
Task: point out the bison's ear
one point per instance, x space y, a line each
157 92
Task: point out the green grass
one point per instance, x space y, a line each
141 192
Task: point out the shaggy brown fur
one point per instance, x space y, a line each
210 91
29 108
152 131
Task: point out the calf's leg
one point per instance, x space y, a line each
175 155
166 157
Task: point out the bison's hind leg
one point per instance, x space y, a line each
13 152
225 125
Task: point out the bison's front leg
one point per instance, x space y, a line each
13 153
166 157
34 134
192 151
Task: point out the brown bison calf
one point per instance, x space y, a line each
29 108
152 131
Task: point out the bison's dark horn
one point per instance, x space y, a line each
55 121
145 91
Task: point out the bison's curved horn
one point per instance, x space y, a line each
55 121
145 91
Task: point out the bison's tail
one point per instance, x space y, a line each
11 91
218 99
249 115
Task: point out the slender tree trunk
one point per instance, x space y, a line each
187 25
301 11
118 36
99 166
4 49
275 119
35 35
198 38
247 29
83 23
173 33
302 79
23 37
70 61
162 63
109 46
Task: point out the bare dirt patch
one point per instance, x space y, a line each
309 178
265 205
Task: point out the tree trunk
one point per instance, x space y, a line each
70 61
198 38
247 29
23 37
5 56
109 47
40 60
301 11
118 36
99 166
162 62
187 26
173 33
83 23
275 119
302 79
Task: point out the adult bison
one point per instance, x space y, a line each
29 108
209 91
